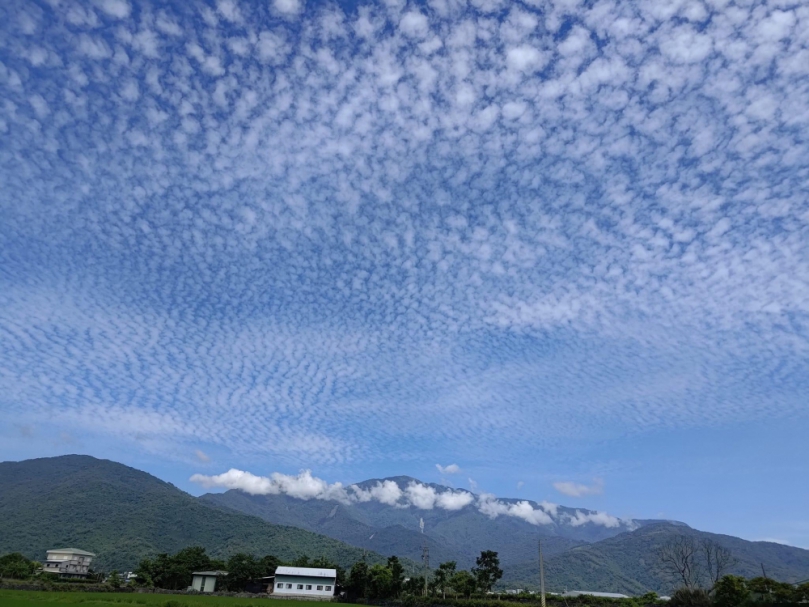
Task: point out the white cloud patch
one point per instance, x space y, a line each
384 492
288 8
119 9
451 469
305 486
525 58
572 489
596 518
415 24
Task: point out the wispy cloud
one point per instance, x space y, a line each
451 469
202 456
572 489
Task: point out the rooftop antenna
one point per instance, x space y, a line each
541 576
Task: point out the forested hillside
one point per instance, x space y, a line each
628 563
123 515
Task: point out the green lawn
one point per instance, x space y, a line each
22 598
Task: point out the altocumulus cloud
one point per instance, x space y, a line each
330 235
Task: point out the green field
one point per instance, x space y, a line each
22 598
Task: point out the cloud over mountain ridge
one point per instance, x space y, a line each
419 495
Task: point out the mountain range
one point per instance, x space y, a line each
609 555
123 515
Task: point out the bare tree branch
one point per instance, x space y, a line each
681 555
718 560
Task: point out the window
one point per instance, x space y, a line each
280 585
320 587
308 586
289 586
328 588
300 586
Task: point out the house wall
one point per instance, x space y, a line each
204 583
67 564
314 582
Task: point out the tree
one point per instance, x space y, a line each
269 564
301 561
770 590
380 581
717 560
681 555
396 576
443 575
464 583
358 579
173 572
241 569
801 594
114 579
17 567
730 591
414 586
487 571
690 597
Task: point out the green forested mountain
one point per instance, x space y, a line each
628 563
123 515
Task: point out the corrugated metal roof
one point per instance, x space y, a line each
608 595
72 551
306 572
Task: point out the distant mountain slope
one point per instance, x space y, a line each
123 515
457 535
627 563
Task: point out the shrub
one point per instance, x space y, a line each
690 597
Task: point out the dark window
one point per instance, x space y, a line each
280 585
320 587
328 588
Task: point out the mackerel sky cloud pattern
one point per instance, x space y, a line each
327 235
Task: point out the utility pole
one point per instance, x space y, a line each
541 577
425 555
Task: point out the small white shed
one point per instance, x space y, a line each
305 582
205 581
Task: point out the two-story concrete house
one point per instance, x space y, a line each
68 562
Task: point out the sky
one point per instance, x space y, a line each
556 250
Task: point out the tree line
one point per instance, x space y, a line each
388 581
702 568
174 571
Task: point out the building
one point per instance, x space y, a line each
205 581
68 562
305 582
606 595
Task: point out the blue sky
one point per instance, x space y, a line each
553 243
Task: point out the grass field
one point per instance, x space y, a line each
23 598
